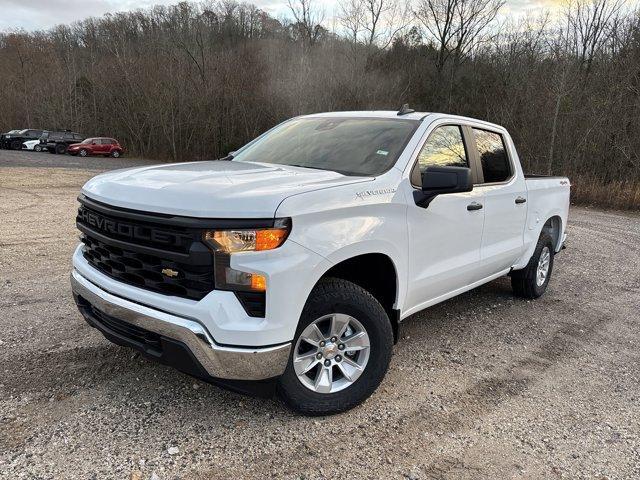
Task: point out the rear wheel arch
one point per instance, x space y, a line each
553 227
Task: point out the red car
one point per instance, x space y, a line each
97 146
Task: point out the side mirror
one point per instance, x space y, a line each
441 180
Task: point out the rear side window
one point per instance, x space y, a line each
493 156
443 148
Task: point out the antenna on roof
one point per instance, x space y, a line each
404 110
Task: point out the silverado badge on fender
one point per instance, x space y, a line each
169 272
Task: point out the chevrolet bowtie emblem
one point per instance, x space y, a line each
169 272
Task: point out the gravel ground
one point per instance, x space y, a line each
482 386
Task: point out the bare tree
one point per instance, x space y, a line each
308 19
589 25
374 22
456 26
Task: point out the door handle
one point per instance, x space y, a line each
520 200
474 206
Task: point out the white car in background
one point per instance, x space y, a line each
32 145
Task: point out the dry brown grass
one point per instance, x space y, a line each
622 195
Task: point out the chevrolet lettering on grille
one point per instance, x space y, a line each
123 229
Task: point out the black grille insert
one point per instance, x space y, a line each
149 271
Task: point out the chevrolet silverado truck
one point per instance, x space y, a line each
287 266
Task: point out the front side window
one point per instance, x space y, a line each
351 146
443 148
493 156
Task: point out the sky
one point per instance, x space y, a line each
43 14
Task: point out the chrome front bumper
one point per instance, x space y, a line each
234 363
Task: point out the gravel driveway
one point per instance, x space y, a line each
482 386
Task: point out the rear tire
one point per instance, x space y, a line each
354 336
532 280
37 148
116 154
61 149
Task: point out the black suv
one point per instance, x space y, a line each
57 142
14 139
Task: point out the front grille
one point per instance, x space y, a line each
167 259
146 271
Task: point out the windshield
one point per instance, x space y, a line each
87 141
351 146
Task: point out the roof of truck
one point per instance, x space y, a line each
417 116
372 114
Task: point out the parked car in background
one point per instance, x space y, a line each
108 147
14 140
44 138
58 142
32 145
5 134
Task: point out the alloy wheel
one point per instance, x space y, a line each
331 353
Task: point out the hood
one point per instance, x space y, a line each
212 189
74 145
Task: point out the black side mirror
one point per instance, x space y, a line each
441 180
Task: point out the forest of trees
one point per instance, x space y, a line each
196 80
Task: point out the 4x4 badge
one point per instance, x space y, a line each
169 272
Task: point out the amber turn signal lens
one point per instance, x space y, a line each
270 238
258 282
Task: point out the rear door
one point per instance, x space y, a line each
106 145
445 237
505 196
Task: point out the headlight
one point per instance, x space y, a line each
253 240
227 242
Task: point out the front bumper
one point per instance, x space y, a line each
177 341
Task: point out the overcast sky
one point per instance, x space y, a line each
43 14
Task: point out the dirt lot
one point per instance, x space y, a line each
482 386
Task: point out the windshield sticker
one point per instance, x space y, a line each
382 152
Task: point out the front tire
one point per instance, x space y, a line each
16 145
532 280
83 152
341 350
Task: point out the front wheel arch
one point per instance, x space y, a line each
377 274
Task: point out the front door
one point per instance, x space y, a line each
445 237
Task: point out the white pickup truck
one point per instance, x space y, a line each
287 266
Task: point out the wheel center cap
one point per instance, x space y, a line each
330 350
